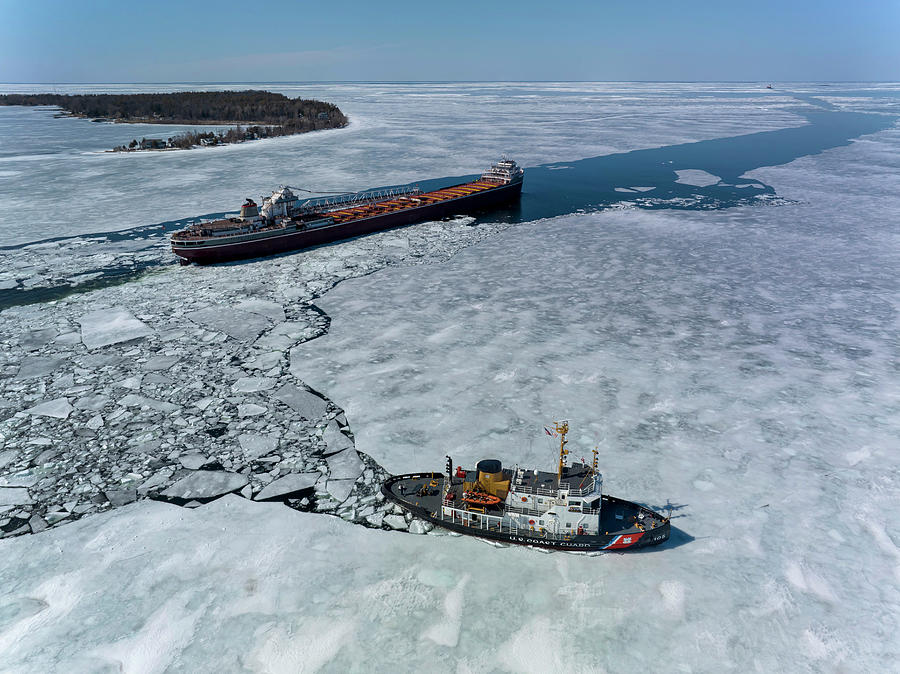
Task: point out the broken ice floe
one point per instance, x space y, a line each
696 178
288 485
205 484
14 496
36 366
110 326
237 324
192 378
307 404
255 445
59 408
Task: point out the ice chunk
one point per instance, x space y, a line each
91 402
7 457
58 408
307 404
252 384
111 326
158 363
418 527
289 484
339 489
37 366
23 478
397 522
205 484
133 383
37 523
134 400
250 410
155 481
335 439
271 310
264 360
240 325
192 460
696 177
119 497
14 496
38 338
255 445
345 465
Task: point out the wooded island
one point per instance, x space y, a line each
258 114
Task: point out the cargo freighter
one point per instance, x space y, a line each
562 510
284 222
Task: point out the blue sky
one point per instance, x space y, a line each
227 41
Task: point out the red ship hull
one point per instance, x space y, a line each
464 205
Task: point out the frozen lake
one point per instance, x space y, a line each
701 278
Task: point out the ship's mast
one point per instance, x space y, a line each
562 427
594 462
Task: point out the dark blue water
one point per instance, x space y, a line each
562 188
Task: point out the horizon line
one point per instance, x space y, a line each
466 82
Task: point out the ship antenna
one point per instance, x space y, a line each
561 427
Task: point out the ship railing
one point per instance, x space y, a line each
584 511
521 510
354 199
485 522
472 519
583 490
540 491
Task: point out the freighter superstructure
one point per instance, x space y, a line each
285 222
565 509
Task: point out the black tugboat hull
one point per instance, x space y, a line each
271 245
614 541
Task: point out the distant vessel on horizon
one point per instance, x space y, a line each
284 223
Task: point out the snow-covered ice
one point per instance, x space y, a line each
398 133
736 366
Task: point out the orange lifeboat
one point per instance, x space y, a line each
480 498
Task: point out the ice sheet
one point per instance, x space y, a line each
398 133
735 365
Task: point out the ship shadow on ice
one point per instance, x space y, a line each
677 538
